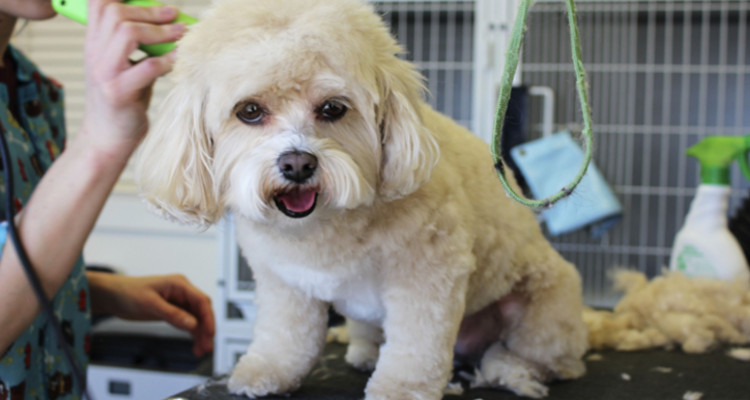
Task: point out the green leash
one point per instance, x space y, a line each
511 63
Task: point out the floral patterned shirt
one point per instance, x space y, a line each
33 123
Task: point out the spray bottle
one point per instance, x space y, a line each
704 246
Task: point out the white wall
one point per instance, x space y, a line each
137 242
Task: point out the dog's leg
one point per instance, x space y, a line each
551 332
420 330
547 338
501 368
364 344
290 330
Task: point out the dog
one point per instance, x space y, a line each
348 190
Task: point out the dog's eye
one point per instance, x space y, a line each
332 110
251 113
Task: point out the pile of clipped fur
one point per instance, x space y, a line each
672 310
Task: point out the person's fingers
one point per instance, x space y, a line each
199 304
119 28
96 8
105 18
173 314
201 344
194 298
130 34
207 315
111 13
142 74
144 33
204 335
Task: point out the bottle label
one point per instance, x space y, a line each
692 262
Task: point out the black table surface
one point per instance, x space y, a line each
642 375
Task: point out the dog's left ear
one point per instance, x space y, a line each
409 150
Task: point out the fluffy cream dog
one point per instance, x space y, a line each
348 190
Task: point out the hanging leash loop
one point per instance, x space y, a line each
509 71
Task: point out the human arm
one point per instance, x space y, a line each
61 213
171 298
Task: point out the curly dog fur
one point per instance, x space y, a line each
347 189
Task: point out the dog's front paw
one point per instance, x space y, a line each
517 379
501 369
362 355
253 376
568 368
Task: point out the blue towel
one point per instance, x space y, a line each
552 162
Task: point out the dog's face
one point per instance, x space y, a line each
292 140
285 110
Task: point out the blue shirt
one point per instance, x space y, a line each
34 367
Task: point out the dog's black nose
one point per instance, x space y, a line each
297 166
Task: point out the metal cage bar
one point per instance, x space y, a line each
663 74
438 38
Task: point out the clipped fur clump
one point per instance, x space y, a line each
672 310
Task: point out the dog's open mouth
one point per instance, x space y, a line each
297 203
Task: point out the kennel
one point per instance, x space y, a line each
662 75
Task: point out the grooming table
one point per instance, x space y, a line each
643 375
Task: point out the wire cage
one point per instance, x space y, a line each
662 74
438 36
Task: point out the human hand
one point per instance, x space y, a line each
171 298
118 91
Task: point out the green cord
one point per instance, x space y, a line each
511 63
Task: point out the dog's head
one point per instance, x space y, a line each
284 109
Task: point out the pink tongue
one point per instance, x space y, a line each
298 200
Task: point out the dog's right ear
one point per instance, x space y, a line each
173 166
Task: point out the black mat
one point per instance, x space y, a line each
658 375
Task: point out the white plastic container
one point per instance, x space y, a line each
705 247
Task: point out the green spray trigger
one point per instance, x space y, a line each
717 153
